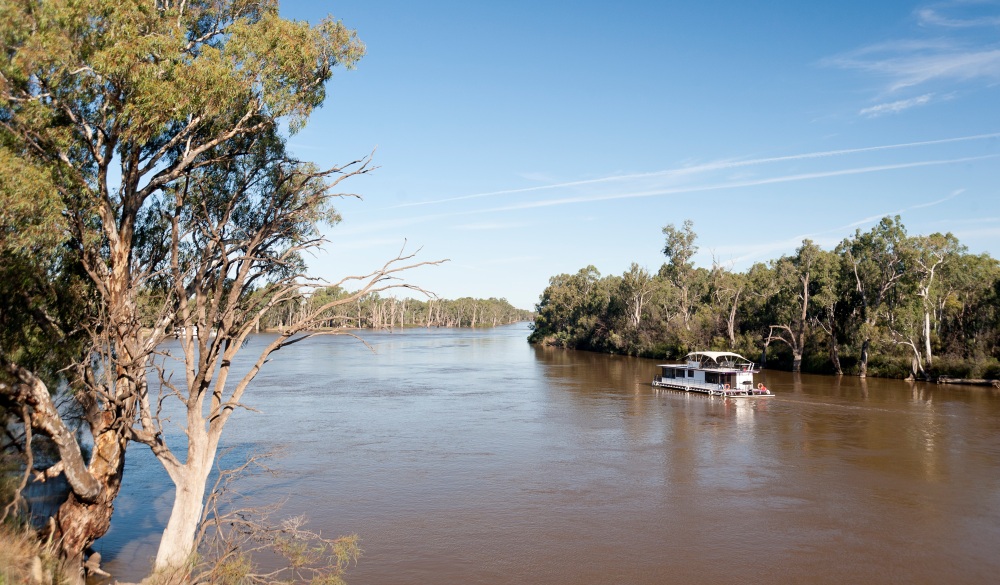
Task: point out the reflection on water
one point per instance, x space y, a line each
472 457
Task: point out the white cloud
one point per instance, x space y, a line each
907 65
943 52
932 17
896 106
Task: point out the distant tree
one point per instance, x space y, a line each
679 270
795 278
876 261
930 253
905 327
758 306
828 299
878 292
569 309
967 314
727 289
637 286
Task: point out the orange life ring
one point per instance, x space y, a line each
726 386
760 385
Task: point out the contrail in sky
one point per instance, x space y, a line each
715 166
740 184
396 223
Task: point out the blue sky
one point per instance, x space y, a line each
521 140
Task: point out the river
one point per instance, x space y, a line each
469 456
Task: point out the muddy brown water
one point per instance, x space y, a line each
471 457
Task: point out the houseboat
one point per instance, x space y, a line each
717 373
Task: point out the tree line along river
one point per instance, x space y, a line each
470 456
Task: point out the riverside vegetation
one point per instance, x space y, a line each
881 303
372 311
148 191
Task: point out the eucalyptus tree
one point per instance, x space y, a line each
967 314
795 281
46 307
637 286
759 305
929 254
679 270
828 300
236 239
905 328
876 262
727 289
567 309
156 127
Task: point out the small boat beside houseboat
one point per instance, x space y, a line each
717 373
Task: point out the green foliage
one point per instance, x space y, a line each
372 311
876 291
145 172
232 571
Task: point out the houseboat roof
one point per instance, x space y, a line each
715 360
714 355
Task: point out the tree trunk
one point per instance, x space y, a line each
78 523
927 337
176 544
863 364
797 359
835 357
731 323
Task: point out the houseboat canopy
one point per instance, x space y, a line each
722 358
715 360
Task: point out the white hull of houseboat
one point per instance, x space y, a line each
715 373
711 390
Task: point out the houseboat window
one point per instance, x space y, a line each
690 373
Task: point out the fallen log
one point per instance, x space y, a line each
968 381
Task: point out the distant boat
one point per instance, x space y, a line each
180 331
717 373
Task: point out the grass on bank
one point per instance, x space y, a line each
25 560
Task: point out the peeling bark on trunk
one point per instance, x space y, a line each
86 514
78 523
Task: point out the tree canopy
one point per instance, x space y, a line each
148 190
882 301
